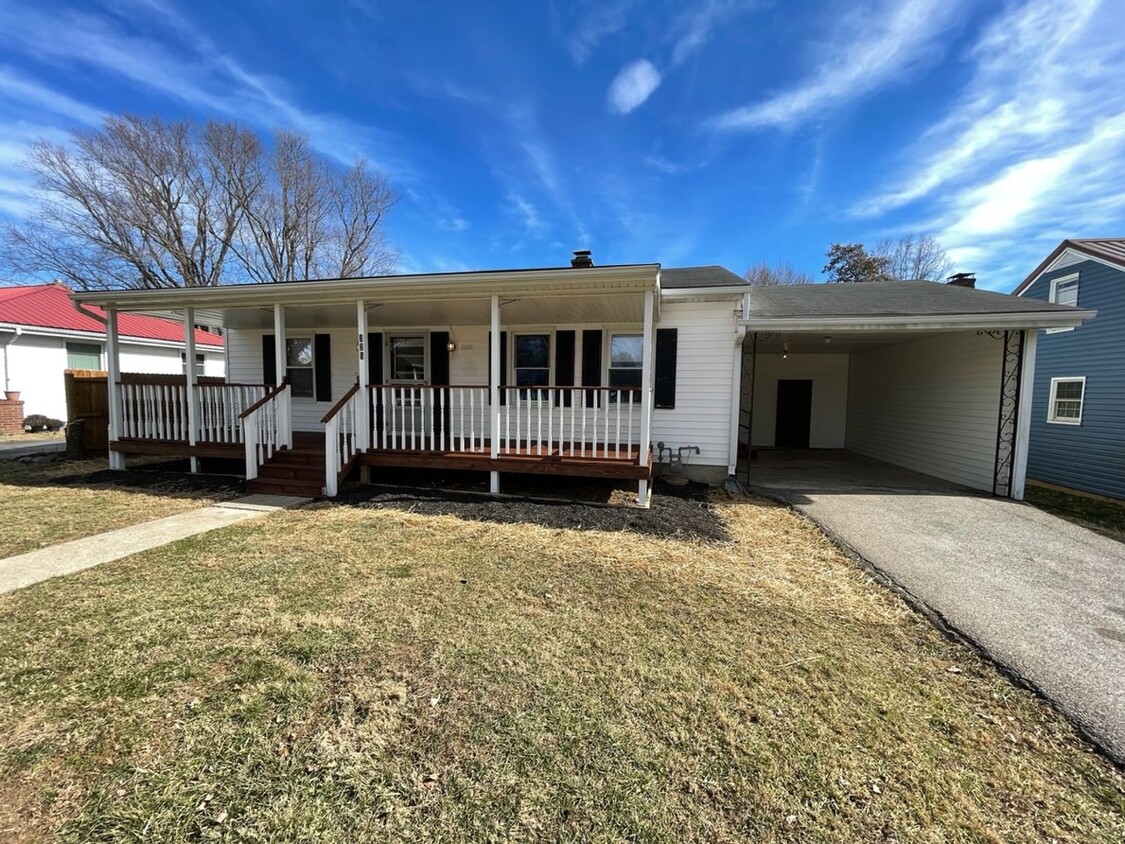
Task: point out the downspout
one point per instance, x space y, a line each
17 332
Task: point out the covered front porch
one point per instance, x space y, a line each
495 372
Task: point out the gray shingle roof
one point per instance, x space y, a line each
683 278
893 298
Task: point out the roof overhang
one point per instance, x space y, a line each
131 339
637 278
1049 263
704 294
930 322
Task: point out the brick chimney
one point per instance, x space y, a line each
963 280
582 258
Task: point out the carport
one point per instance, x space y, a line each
929 377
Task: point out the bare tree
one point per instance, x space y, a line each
850 262
914 257
784 273
148 203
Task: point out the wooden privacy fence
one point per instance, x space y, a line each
87 401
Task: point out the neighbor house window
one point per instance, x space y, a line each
1067 397
408 358
1064 291
83 356
299 365
200 364
626 353
532 363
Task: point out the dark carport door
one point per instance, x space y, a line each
794 413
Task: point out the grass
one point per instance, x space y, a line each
47 500
1101 514
358 674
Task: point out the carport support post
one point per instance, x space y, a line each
646 397
113 376
189 383
363 409
494 394
1023 419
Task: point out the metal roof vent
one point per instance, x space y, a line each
582 258
963 280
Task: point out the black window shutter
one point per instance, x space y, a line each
503 363
375 357
269 361
322 362
665 394
439 358
564 365
591 362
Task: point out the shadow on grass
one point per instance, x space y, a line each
170 478
676 512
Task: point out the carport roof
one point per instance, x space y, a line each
896 302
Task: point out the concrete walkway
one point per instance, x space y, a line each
1043 597
22 449
69 557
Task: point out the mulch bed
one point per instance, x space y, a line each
676 512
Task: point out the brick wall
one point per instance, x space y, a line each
11 417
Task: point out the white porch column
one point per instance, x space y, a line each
494 392
735 398
279 341
189 383
647 384
113 376
1023 420
363 410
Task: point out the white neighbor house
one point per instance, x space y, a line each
42 335
583 370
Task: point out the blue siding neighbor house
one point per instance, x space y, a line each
1078 413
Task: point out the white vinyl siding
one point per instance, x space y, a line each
829 374
1064 406
929 405
704 366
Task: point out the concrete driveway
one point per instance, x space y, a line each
1045 598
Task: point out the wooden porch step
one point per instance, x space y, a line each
285 486
292 471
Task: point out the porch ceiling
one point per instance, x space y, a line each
828 342
602 308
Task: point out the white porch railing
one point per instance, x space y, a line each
579 422
157 409
341 437
266 427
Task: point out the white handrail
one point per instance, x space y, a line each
341 443
265 428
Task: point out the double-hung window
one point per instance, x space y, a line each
200 363
299 365
83 356
1067 397
1064 291
532 364
626 355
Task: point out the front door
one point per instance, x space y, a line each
794 413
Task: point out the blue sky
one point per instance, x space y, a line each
689 132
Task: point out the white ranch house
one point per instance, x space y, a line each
597 371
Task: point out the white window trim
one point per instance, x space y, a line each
1053 297
200 363
388 363
1051 419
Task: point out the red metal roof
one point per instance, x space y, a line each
48 306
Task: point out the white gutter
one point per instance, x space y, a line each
939 322
703 292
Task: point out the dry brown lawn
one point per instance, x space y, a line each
381 674
46 500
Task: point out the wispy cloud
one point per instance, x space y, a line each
596 21
527 213
186 66
873 46
633 85
693 27
1032 151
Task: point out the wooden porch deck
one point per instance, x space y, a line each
524 458
178 448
